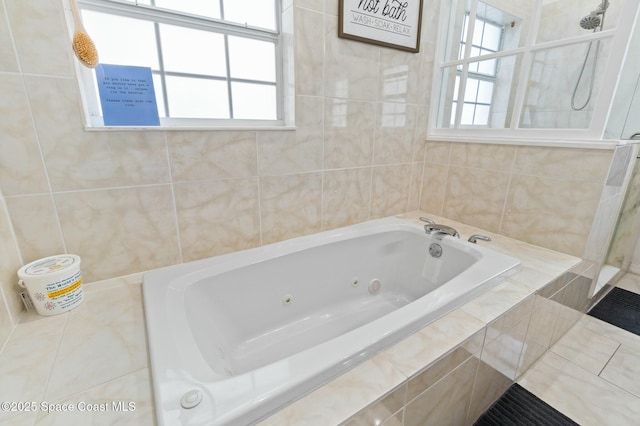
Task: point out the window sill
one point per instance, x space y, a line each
187 128
608 144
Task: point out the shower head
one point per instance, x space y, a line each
591 21
594 19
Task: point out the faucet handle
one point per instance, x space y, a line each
427 220
474 238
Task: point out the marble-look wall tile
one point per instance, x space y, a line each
346 197
427 345
491 157
432 374
626 230
496 303
384 411
476 196
390 190
119 231
540 332
35 223
349 129
317 5
217 217
77 159
290 206
588 165
619 168
430 18
8 60
335 402
553 213
10 261
489 385
420 142
395 133
309 51
351 67
415 186
211 155
434 188
331 7
573 301
41 36
503 352
438 152
447 402
399 79
427 58
294 152
602 229
21 167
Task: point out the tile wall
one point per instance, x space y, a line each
460 386
545 196
129 201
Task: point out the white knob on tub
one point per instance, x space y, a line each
191 399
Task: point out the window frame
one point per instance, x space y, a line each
284 97
472 75
588 137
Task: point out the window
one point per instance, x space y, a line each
481 76
214 62
514 70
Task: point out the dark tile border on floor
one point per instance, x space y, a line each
519 407
621 308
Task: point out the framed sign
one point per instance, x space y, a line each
390 23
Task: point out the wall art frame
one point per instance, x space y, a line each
388 23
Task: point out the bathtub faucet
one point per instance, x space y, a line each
441 230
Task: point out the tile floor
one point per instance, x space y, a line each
592 374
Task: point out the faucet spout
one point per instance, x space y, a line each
441 230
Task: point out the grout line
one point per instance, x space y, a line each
74 395
609 360
45 388
259 182
173 198
505 204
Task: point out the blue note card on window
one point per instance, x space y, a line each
127 95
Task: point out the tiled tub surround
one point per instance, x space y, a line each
455 367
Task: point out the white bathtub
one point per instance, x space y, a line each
251 331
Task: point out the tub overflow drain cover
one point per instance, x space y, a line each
191 399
